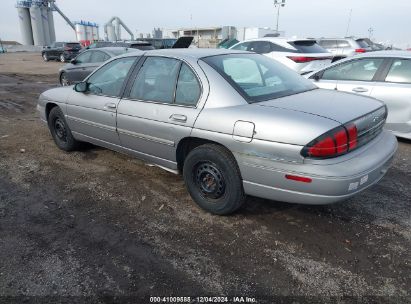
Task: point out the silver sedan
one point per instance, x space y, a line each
233 123
383 75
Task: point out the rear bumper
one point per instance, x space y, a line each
331 182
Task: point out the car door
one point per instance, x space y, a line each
159 109
96 59
394 89
76 71
92 114
354 76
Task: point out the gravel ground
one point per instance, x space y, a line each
98 226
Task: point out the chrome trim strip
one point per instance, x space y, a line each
90 123
147 137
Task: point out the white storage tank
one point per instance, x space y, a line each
37 24
25 22
45 20
111 35
95 33
80 32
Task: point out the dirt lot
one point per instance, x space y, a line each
96 224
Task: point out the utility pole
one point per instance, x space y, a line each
349 23
278 4
370 32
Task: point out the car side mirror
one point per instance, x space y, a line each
81 87
317 77
73 61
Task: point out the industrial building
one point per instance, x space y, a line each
210 37
36 22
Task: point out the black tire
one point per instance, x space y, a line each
60 131
63 80
213 179
62 58
45 57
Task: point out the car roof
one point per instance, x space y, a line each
400 54
277 39
109 49
186 53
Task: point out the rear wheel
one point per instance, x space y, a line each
45 57
64 80
62 58
60 131
213 179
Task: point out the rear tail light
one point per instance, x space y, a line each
360 50
304 59
348 137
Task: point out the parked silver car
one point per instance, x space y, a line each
344 47
384 75
234 123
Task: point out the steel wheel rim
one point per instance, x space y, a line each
62 59
44 56
60 129
64 81
209 180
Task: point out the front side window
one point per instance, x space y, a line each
241 46
400 71
356 70
257 77
156 80
110 78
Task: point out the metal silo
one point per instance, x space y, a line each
95 33
89 32
51 25
111 35
80 31
37 23
45 20
25 22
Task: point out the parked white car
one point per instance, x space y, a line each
303 56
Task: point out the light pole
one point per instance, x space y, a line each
278 4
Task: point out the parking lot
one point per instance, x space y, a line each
99 223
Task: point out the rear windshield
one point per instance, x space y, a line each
363 44
142 46
258 78
73 45
118 51
307 46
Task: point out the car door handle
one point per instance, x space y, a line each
360 90
110 105
178 117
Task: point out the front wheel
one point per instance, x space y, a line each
62 58
64 80
213 179
60 131
45 57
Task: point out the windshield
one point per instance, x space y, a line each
258 78
308 46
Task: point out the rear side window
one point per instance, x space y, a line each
400 71
73 45
362 43
156 80
241 46
188 89
260 47
343 44
356 70
84 57
98 56
328 44
307 46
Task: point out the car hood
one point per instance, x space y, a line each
57 94
338 106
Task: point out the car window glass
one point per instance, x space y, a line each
241 46
84 57
156 80
59 44
328 44
343 44
400 71
307 46
188 89
110 78
260 47
98 56
259 78
357 70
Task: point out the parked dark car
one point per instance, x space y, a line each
86 62
63 51
139 45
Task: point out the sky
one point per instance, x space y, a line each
300 18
